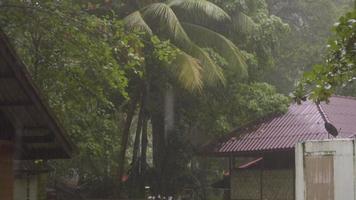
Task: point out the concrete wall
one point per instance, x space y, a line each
341 169
254 184
24 186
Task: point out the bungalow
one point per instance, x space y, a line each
28 128
267 148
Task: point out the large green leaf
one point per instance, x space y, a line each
212 73
165 23
188 71
207 38
199 11
135 21
243 24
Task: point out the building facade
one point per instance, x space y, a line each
28 128
266 149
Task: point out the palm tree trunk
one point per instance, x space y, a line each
158 147
134 189
144 140
124 141
168 111
144 145
162 125
138 134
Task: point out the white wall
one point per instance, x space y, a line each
343 153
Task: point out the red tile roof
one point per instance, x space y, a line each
301 122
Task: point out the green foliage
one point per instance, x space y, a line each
218 111
91 66
181 22
207 38
82 64
260 100
164 51
257 32
339 68
304 46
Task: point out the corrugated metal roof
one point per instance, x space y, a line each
300 123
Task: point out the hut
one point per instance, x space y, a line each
261 156
28 128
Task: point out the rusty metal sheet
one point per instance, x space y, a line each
319 177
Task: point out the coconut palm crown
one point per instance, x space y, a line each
192 25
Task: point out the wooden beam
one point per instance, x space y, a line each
38 139
36 135
35 131
45 153
7 76
15 103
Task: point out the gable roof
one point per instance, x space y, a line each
300 123
37 132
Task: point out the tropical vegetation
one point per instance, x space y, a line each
142 85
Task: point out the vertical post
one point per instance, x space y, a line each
261 178
230 164
6 170
299 172
28 190
230 173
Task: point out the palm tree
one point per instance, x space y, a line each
192 26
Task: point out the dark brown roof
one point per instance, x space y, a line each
38 134
301 122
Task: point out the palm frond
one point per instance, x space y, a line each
189 71
205 37
211 72
199 11
243 24
166 23
135 21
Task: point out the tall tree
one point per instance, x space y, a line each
191 26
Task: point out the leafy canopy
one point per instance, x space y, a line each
191 26
340 67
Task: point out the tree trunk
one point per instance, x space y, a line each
144 144
134 189
124 141
138 134
158 147
168 111
162 125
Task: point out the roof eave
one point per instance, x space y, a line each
23 77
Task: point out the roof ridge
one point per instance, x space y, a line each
344 97
322 112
